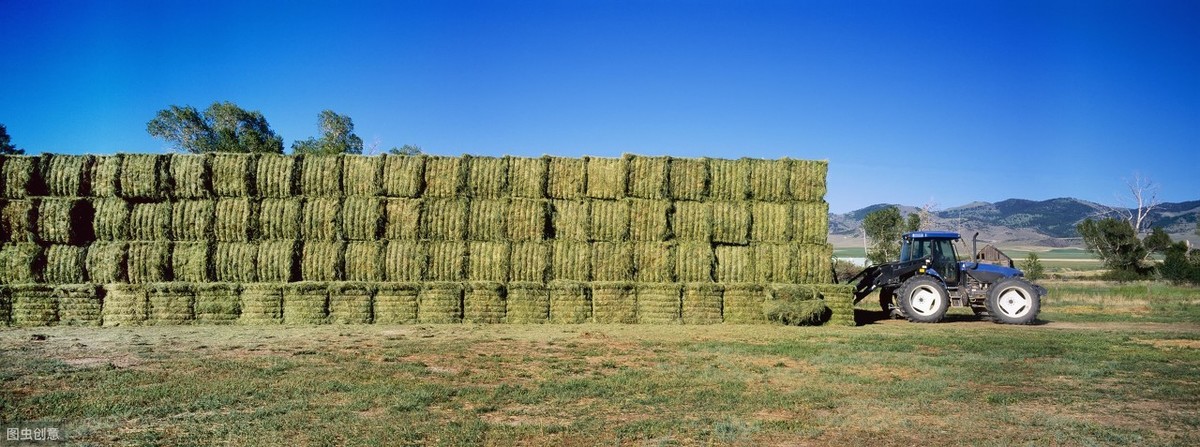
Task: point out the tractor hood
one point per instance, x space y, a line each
989 273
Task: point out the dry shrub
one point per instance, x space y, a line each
235 262
33 305
141 176
277 261
569 302
190 177
65 264
106 262
444 176
487 177
78 304
233 220
105 173
692 221
364 261
276 176
440 302
305 303
170 303
321 219
232 173
150 221
488 261
729 179
742 303
527 177
403 176
654 261
528 261
688 178
110 221
149 262
362 218
396 302
571 260
16 221
525 219
65 221
648 220
444 219
812 222
648 176
731 222
607 178
405 261
191 220
694 262
702 303
612 261
614 302
807 180
609 220
321 175
322 261
485 221
483 302
279 219
403 219
771 222
363 175
124 305
571 220
217 303
658 303
65 175
735 264
527 303
447 261
350 303
261 303
565 177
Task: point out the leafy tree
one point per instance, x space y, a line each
1180 266
222 127
882 228
913 223
1158 241
6 147
337 137
407 150
1116 243
1033 267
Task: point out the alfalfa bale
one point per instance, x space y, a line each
813 263
142 176
647 176
487 177
190 261
403 176
527 303
485 221
104 175
483 302
570 220
402 219
729 179
839 298
261 303
527 177
444 219
65 221
807 180
362 175
444 176
440 302
609 220
124 305
149 262
528 261
565 177
794 305
65 175
612 261
571 260
320 175
396 302
321 219
658 303
769 180
654 261
150 221
106 262
692 221
65 264
773 262
170 303
649 220
21 262
488 261
21 176
235 262
110 220
364 261
525 219
447 261
812 222
614 302
702 303
735 264
322 261
217 303
33 305
350 302
233 219
191 220
275 176
362 218
78 304
190 177
277 261
742 303
306 303
688 178
607 178
405 261
731 222
5 299
280 218
771 222
232 173
694 262
569 302
17 221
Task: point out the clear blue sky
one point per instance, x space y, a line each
910 101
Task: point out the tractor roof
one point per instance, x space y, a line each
932 235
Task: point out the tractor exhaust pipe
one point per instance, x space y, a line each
975 251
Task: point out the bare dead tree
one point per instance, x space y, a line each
1136 207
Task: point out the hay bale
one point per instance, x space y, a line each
403 176
350 303
525 219
78 304
735 264
277 261
692 221
364 261
233 220
570 302
402 219
649 220
609 220
444 176
770 180
528 261
17 221
771 222
813 263
362 218
21 175
405 261
233 173
729 179
66 175
279 219
486 220
527 177
488 261
447 261
794 305
142 176
191 220
65 221
106 262
812 222
65 264
321 219
571 260
362 175
839 298
571 220
694 262
688 178
654 261
110 221
306 303
261 303
487 177
565 177
396 303
658 303
20 263
124 305
807 180
171 303
614 302
647 176
742 303
527 303
33 305
190 177
150 221
483 302
322 261
607 178
444 219
320 175
5 300
105 175
190 261
731 222
702 303
275 176
235 262
773 262
217 303
440 302
612 261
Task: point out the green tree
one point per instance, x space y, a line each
1116 243
6 147
222 127
1157 242
1178 266
1033 267
407 150
882 228
913 223
337 137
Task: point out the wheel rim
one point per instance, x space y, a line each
1014 303
925 300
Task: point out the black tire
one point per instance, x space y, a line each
1013 301
922 299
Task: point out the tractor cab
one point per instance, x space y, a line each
938 246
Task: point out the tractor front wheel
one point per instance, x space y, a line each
923 300
1013 301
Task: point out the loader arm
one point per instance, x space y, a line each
878 275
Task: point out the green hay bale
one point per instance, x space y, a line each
813 263
485 221
444 219
771 222
405 261
105 174
66 175
770 180
279 219
609 220
171 303
614 302
742 303
5 301
648 176
402 219
191 220
235 262
21 175
110 221
607 178
812 222
16 221
488 261
794 305
233 173
487 177
440 302
190 261
735 264
321 219
33 305
124 305
612 261
444 176
447 261
527 177
692 221
773 262
483 302
364 261
261 303
306 303
350 303
277 261
729 179
190 178
362 218
649 220
403 176
569 302
142 176
694 262
276 176
654 261
396 303
65 264
21 263
570 260
528 261
658 303
731 222
65 221
565 177
217 303
839 298
526 219
150 221
527 303
233 220
571 220
320 175
78 304
322 261
363 175
807 180
702 303
106 262
688 178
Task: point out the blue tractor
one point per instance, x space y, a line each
929 278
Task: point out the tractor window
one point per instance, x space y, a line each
914 250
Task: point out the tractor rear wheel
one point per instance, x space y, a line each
1013 301
923 300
